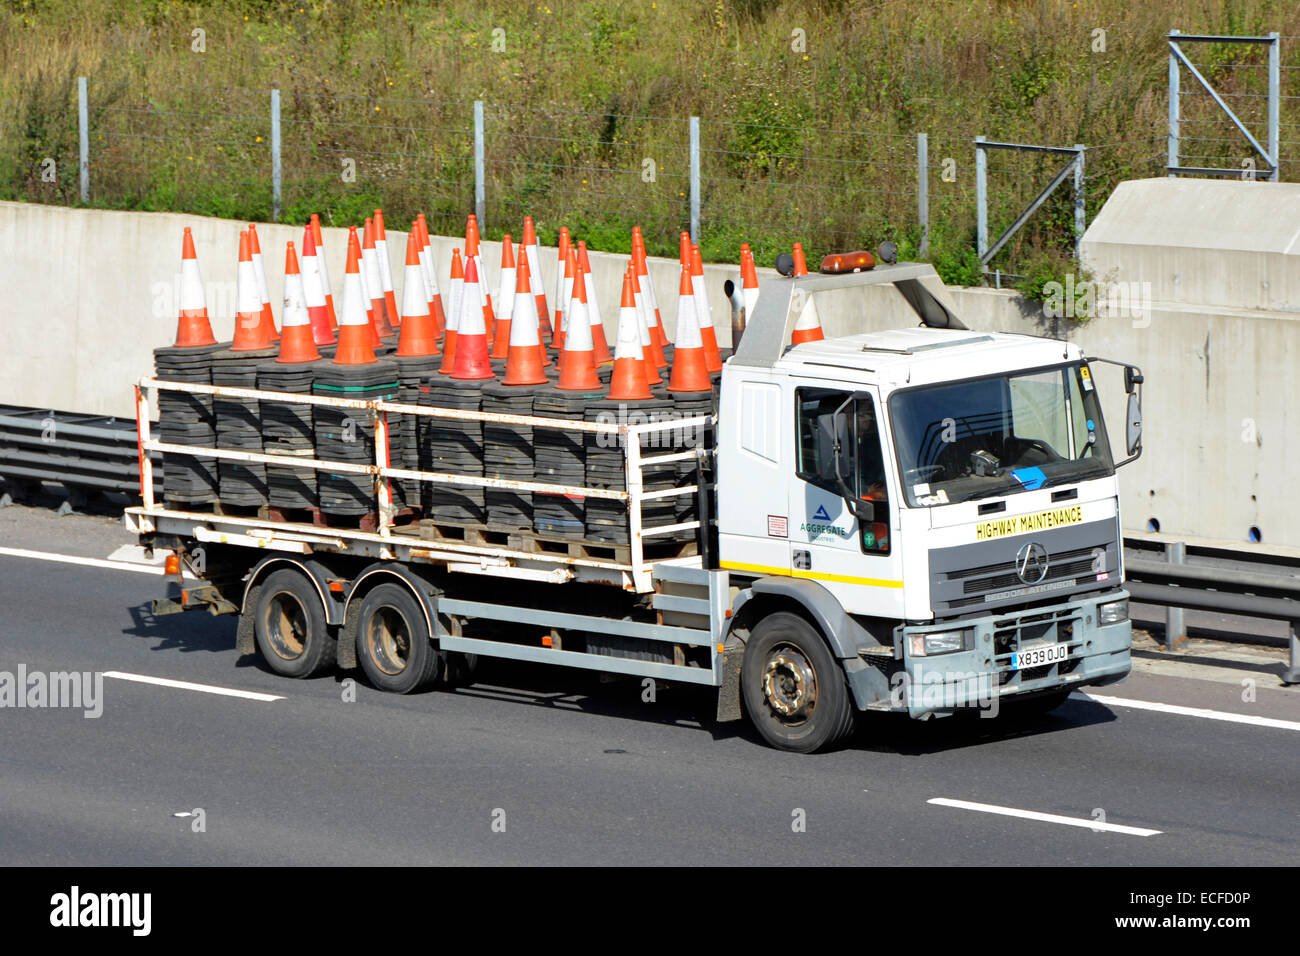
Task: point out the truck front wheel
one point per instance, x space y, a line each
393 641
289 624
794 689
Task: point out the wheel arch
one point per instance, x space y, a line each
423 590
806 598
315 572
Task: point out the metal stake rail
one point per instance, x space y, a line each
382 469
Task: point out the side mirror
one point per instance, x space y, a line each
1133 430
1132 378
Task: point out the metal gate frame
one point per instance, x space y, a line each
1075 165
1178 59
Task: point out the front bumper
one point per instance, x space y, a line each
978 677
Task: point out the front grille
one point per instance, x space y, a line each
1012 634
1069 564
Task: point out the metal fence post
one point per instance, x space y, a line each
1292 673
695 179
1274 101
1080 209
981 198
276 195
83 122
1172 158
480 169
1175 626
923 193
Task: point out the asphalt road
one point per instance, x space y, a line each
540 765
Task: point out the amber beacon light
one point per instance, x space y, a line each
842 262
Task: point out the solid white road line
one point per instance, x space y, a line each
1274 722
88 562
1042 817
186 685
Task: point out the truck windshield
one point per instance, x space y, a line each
999 435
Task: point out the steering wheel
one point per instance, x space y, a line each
925 473
1042 446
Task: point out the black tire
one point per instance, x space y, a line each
795 691
289 624
393 642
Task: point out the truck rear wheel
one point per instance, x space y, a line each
795 691
393 641
289 625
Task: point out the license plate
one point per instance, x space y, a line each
1039 656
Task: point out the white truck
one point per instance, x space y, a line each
920 520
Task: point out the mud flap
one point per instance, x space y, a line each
246 634
730 706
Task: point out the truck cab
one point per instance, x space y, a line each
941 503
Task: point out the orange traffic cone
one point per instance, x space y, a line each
473 250
264 291
647 345
417 336
455 297
355 330
684 249
374 285
297 343
808 327
657 358
690 369
563 286
597 320
645 286
314 292
386 270
535 276
527 355
569 275
250 334
431 277
578 360
629 382
748 279
505 299
712 357
318 238
192 326
471 335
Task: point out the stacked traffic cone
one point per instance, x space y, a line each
654 319
386 270
473 251
264 291
193 328
629 382
703 312
418 335
578 360
647 345
355 331
314 291
251 334
690 367
455 299
808 327
597 320
657 358
563 287
471 360
505 300
748 279
526 356
535 276
430 277
297 342
373 282
319 238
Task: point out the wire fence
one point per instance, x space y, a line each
226 152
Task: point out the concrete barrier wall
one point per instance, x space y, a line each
86 295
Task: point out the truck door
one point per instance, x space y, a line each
859 560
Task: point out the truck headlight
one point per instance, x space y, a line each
1113 613
939 642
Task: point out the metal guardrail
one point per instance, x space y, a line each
1222 580
84 453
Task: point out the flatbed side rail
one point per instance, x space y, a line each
381 470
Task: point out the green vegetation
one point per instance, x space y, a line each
808 112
